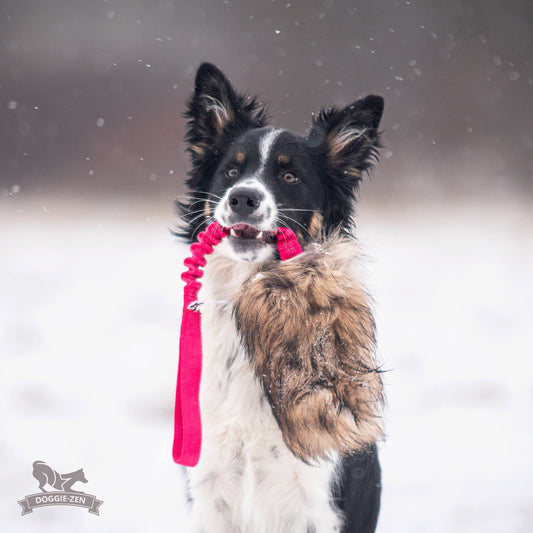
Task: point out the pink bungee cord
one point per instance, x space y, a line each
187 420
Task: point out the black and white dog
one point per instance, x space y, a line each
291 392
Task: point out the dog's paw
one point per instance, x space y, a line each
309 331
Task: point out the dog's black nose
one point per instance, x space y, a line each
245 200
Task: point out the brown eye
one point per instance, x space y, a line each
290 178
232 173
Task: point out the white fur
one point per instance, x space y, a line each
252 256
265 147
247 481
221 111
346 136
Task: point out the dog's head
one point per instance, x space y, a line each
79 475
253 178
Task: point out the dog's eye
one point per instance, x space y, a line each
232 173
289 177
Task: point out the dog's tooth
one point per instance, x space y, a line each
232 233
259 235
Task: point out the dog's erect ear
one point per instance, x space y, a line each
349 136
216 110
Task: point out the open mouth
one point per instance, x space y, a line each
245 232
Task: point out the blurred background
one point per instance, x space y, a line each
92 92
92 155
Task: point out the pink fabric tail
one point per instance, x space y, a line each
187 420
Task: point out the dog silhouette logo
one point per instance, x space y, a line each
46 476
64 494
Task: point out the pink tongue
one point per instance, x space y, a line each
246 231
249 233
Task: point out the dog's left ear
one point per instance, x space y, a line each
216 111
349 136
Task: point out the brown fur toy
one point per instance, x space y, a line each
310 335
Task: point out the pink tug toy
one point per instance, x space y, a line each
187 420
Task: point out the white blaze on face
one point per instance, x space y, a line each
266 213
264 218
265 147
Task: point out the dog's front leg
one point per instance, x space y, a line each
214 486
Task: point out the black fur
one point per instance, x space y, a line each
358 493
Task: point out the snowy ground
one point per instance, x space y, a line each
89 305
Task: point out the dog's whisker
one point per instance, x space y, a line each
194 199
207 193
290 219
198 217
196 212
215 195
283 209
207 221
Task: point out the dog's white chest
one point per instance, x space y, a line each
231 397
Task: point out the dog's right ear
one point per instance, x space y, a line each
215 111
349 137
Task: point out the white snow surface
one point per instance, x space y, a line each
89 320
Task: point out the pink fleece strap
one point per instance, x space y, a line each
288 245
187 420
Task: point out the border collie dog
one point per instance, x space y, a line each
291 392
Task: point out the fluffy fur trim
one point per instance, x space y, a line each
309 331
